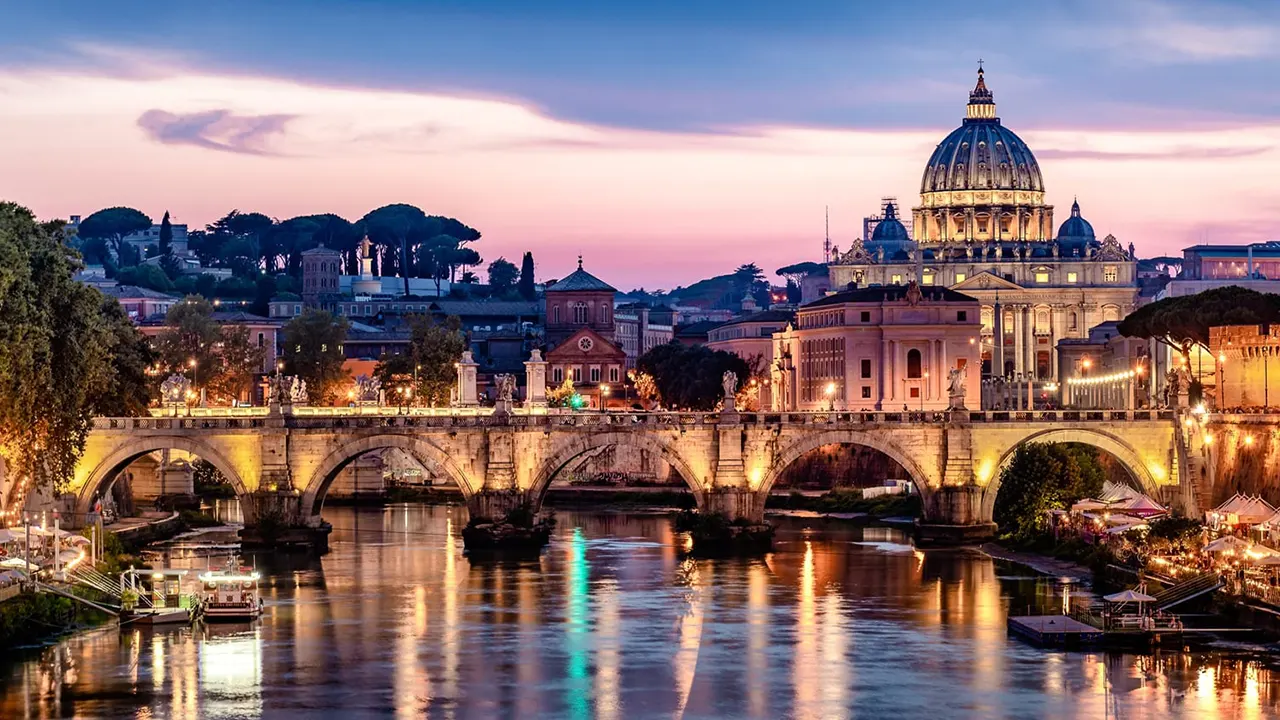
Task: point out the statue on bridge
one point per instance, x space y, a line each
288 390
506 387
956 378
173 391
729 381
368 389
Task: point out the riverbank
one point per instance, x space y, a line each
1043 564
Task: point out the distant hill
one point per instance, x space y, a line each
719 292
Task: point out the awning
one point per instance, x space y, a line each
1128 596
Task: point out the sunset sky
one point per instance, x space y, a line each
665 141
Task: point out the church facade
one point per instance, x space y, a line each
983 229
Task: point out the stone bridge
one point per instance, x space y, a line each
285 463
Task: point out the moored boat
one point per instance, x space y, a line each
155 597
230 594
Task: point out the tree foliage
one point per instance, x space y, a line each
222 360
313 351
113 224
1043 477
434 348
128 390
690 377
502 276
1182 322
526 285
54 351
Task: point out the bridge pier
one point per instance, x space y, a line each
277 519
955 515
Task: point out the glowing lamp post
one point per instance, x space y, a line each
831 396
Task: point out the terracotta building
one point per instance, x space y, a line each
580 336
880 348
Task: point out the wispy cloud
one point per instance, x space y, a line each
1178 153
215 130
1166 32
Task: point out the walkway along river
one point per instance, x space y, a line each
613 622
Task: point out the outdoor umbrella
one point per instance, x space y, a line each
1227 543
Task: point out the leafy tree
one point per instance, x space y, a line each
528 289
129 390
562 394
241 362
223 360
390 227
800 270
313 351
433 350
1043 477
113 224
54 351
691 377
147 276
502 276
233 241
1183 322
264 290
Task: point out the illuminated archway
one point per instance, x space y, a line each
587 443
924 484
135 448
427 454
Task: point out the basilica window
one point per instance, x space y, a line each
926 279
613 373
865 367
1072 277
577 374
913 364
1042 277
865 316
1109 273
580 313
557 374
595 374
1042 321
896 279
960 277
1110 312
1072 321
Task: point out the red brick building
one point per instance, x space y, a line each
580 336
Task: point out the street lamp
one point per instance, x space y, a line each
831 396
604 398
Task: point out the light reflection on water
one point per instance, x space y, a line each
612 622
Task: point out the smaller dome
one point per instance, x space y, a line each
1075 230
890 229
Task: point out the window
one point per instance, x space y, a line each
577 374
866 316
866 392
866 367
1008 276
960 277
926 279
595 374
913 364
262 340
297 309
1072 277
962 316
557 374
604 314
555 313
613 373
580 313
915 392
1109 273
1042 277
896 280
1071 320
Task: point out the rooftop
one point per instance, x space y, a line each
133 291
580 280
764 316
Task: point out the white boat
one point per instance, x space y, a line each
230 594
155 597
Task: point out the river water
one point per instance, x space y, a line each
614 622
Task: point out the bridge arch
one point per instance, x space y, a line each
1102 440
134 448
924 482
585 443
429 455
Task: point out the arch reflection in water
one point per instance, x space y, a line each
613 622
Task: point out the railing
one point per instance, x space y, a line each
389 416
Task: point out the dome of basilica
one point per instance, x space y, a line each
1076 228
890 229
982 154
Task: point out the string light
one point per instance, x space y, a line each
1102 379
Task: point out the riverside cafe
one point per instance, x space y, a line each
1116 511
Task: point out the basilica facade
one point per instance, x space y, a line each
983 229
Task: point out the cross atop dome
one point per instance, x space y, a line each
982 105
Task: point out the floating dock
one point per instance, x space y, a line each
1055 630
